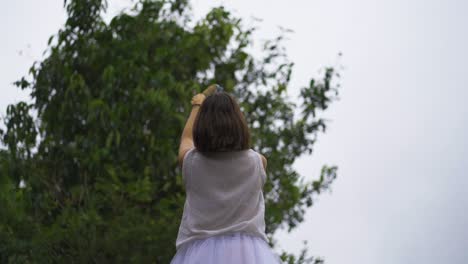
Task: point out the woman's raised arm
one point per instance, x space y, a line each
186 141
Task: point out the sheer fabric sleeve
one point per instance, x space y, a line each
186 167
260 168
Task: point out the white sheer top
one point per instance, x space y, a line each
224 194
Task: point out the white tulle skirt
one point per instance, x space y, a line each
234 248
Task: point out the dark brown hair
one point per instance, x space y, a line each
220 125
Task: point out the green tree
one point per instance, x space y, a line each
97 147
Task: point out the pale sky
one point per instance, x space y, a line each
398 134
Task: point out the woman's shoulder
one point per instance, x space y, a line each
222 154
262 157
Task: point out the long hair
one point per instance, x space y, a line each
220 125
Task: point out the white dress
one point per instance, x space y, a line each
234 248
224 211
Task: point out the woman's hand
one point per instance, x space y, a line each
198 99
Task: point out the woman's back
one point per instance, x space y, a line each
224 194
224 211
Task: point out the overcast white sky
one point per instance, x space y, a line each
398 134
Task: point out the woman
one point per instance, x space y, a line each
224 212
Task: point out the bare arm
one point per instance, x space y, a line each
186 141
264 161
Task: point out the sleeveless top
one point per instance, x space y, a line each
224 194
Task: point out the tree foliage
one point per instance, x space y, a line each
97 147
